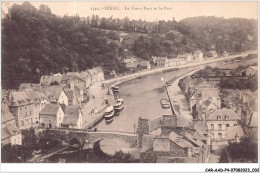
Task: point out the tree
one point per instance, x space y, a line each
9 154
244 151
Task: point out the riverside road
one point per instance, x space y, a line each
142 95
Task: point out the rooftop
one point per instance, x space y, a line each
50 109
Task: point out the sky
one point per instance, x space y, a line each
151 11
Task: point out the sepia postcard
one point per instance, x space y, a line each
171 82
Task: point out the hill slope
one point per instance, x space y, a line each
36 42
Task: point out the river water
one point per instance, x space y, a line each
142 98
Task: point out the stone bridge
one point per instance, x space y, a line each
82 137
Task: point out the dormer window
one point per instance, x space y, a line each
227 117
219 117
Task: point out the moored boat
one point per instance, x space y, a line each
165 103
119 104
115 88
109 114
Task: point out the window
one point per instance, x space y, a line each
235 124
219 136
212 126
24 107
227 117
227 125
22 123
219 126
219 117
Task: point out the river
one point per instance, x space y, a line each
142 98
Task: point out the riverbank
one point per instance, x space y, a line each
122 79
100 93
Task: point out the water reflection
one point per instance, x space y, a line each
141 98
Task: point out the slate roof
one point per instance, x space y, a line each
174 137
223 112
130 60
252 67
182 121
52 91
6 115
95 71
17 98
162 58
155 124
188 81
209 93
67 77
193 139
25 85
8 131
205 104
200 127
198 81
50 109
169 121
234 131
69 94
145 63
36 96
71 115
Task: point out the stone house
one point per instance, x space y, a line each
250 71
72 117
154 58
39 101
84 75
96 74
51 116
145 65
10 135
213 54
218 121
187 56
198 55
67 78
55 94
205 108
72 98
177 61
235 133
6 116
21 106
162 62
131 63
47 80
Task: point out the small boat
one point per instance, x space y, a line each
115 88
119 104
109 114
165 103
